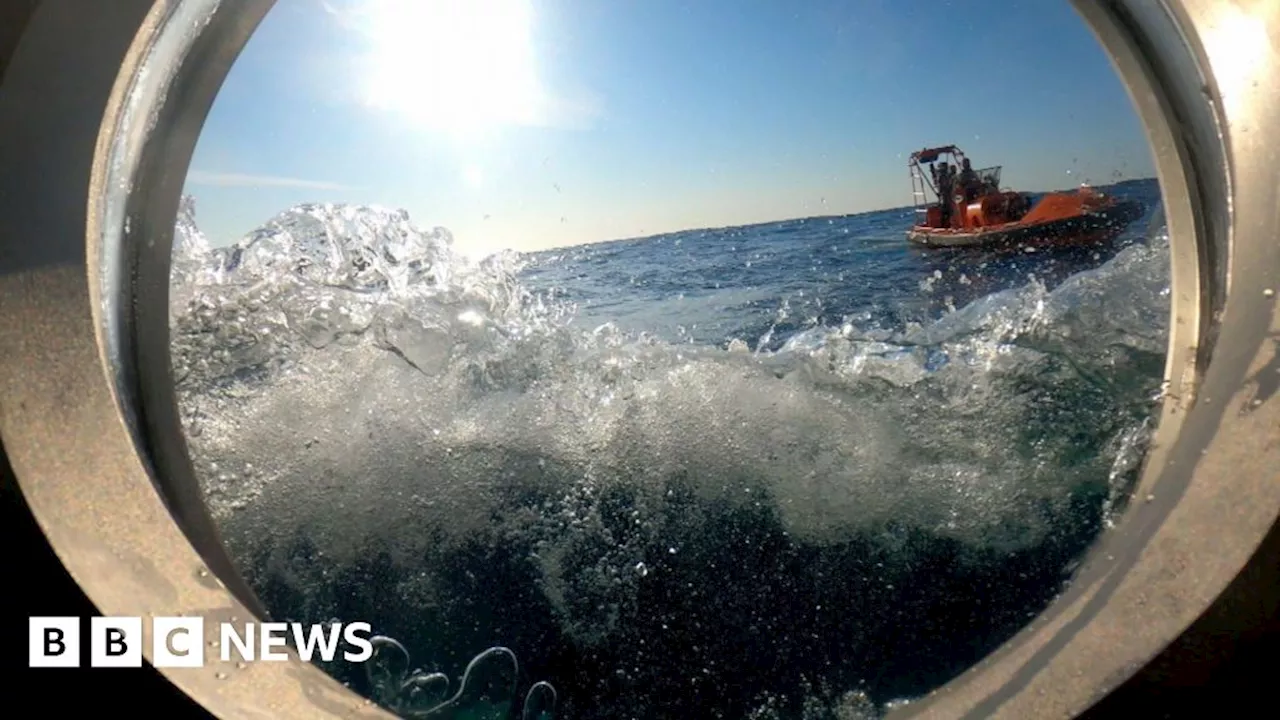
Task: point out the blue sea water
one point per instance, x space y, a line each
764 283
791 470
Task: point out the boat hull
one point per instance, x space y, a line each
1084 228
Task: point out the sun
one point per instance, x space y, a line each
464 67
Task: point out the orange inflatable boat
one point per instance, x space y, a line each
970 208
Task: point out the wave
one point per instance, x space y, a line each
352 387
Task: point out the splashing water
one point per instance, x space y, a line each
388 430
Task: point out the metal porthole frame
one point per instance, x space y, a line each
101 106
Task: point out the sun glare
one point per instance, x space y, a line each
462 67
1240 42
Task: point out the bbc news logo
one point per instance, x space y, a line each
179 642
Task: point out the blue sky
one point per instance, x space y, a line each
536 123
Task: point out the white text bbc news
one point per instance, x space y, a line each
180 641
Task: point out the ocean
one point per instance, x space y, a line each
788 470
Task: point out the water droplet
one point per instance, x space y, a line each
1268 293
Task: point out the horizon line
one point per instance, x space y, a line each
691 229
815 217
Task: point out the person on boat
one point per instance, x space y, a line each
944 179
969 182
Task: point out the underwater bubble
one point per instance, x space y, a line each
423 691
488 689
539 703
386 669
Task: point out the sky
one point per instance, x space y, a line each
529 124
